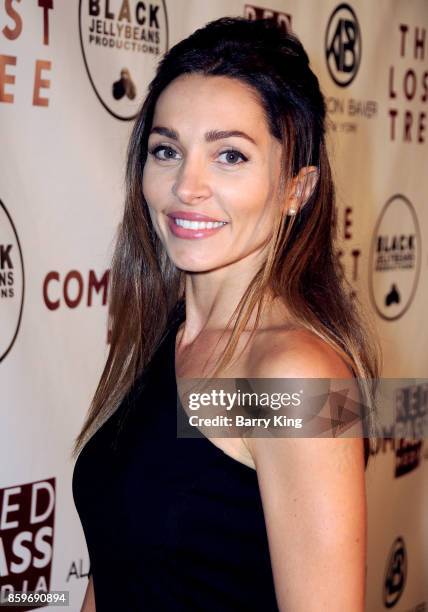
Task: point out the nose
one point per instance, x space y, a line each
191 185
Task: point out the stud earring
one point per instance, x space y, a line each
291 211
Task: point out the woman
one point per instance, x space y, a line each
229 217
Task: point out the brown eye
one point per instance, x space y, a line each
169 152
233 156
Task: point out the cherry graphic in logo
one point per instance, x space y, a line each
124 86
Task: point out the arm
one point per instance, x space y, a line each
314 501
89 600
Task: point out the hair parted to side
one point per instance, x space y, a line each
301 266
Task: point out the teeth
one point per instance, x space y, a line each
196 225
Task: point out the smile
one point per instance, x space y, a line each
184 228
198 224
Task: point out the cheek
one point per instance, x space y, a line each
147 184
153 189
252 201
247 193
153 196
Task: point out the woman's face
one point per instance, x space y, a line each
211 155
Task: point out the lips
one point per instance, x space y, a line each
193 225
192 216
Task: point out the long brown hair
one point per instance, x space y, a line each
301 265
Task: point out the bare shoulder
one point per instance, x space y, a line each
299 353
296 353
312 489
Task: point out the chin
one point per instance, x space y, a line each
187 264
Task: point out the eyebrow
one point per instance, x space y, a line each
210 136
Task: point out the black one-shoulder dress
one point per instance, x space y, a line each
171 524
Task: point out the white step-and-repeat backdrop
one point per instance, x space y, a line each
65 118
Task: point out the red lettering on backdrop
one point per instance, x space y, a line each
40 83
6 78
11 31
27 513
409 84
16 18
46 5
73 288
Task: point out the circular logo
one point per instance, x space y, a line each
122 41
343 45
396 573
11 282
395 258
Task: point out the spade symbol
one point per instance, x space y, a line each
393 297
